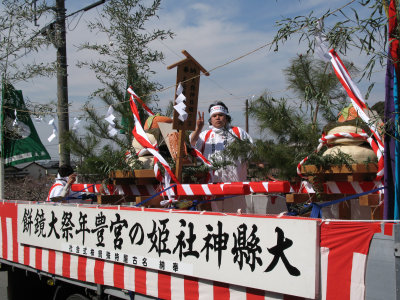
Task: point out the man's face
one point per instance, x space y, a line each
218 120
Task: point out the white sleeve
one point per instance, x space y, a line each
244 135
56 191
200 140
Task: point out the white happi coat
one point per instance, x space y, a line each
56 189
211 145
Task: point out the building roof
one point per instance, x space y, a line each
49 164
25 165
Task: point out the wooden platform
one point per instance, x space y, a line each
300 198
123 199
137 177
357 172
115 199
373 201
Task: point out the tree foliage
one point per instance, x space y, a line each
27 188
317 87
292 135
295 127
19 38
359 25
123 60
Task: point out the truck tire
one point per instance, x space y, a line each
77 297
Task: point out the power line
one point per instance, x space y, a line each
43 29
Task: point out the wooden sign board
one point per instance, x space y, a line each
189 75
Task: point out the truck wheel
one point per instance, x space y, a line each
77 297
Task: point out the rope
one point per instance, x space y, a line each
155 195
316 208
70 196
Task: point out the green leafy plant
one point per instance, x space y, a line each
123 61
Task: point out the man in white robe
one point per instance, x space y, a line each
212 142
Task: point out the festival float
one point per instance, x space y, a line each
148 234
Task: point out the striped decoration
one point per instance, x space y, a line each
363 136
234 188
345 275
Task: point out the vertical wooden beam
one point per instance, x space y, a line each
376 212
247 115
345 210
179 157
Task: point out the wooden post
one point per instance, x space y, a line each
188 74
247 116
62 83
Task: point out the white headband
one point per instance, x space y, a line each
218 109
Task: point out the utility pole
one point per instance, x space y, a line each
2 171
60 43
62 83
247 115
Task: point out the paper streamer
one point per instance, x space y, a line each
112 131
180 106
38 119
76 122
54 134
110 119
15 123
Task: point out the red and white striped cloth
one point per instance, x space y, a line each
231 188
127 189
338 187
355 95
344 248
145 107
92 188
363 136
143 140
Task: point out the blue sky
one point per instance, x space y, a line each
214 32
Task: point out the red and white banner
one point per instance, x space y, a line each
263 253
145 107
338 187
232 188
344 248
355 95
